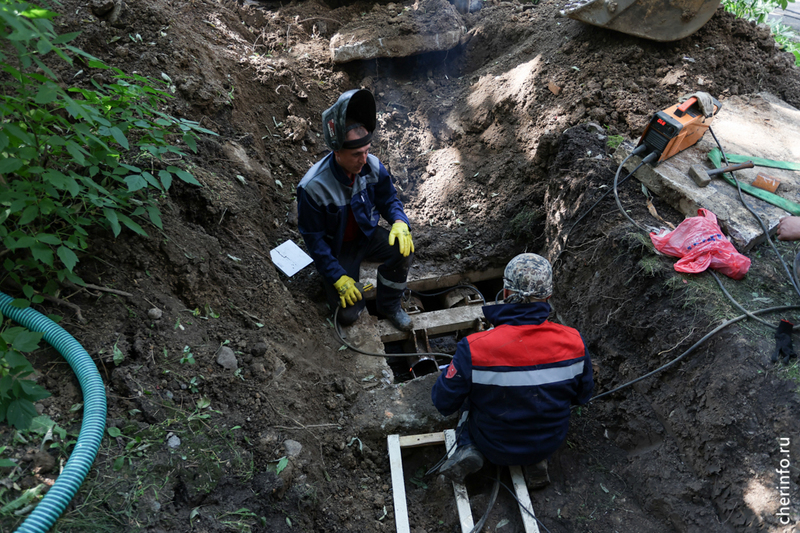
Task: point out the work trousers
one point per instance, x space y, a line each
392 273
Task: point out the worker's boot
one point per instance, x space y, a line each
466 460
388 298
536 476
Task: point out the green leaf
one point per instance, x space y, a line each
67 37
33 392
27 341
188 178
29 214
119 137
118 355
38 13
166 179
190 141
67 257
17 362
114 432
16 132
48 238
151 180
132 225
135 182
76 152
155 216
20 413
47 94
111 216
283 462
42 253
10 164
119 462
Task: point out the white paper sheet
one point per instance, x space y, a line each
290 258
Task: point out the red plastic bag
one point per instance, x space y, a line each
700 244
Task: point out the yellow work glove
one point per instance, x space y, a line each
348 293
403 235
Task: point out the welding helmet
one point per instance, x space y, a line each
357 105
528 276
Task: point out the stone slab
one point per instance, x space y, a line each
759 125
399 30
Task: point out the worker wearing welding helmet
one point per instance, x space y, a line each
515 383
340 202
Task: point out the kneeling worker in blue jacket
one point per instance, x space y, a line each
340 201
515 383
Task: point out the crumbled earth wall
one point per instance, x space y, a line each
497 147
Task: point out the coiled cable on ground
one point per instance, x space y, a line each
694 346
92 426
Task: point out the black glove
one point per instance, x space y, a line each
783 342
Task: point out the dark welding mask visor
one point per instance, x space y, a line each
356 106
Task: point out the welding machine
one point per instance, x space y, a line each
676 128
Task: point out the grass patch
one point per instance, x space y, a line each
522 226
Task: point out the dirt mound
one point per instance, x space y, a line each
497 146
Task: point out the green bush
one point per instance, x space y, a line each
757 11
71 159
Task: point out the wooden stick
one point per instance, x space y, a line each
518 480
398 485
462 498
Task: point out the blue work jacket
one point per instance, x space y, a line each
520 380
323 196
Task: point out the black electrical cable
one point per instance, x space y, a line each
359 350
520 504
694 346
495 490
574 224
649 158
792 278
737 304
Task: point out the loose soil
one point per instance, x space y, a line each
497 147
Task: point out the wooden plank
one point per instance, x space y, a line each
433 280
398 485
462 498
435 322
518 480
412 441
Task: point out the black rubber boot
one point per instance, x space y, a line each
398 318
536 476
466 460
388 305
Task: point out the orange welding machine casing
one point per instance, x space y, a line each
676 128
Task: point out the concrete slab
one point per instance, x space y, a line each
364 335
424 277
756 126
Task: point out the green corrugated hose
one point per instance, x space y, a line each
94 416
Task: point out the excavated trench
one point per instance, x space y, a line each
489 162
687 449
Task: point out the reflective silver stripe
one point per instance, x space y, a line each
527 378
400 286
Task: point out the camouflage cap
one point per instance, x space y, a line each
528 276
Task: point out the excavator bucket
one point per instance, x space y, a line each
657 20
